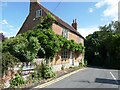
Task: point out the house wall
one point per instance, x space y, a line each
74 37
58 62
57 29
71 36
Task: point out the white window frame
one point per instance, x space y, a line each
64 54
38 13
65 33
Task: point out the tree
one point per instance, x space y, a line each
24 48
104 46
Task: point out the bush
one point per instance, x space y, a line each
35 76
17 81
8 61
63 67
46 71
42 71
80 64
23 47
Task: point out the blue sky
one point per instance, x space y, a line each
89 15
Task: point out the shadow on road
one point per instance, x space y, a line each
100 67
107 81
101 80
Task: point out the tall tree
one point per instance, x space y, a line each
104 46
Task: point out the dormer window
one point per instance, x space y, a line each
39 13
65 33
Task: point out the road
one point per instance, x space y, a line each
90 78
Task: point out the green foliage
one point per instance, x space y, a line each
24 48
35 76
46 71
42 71
46 22
8 61
63 67
17 81
48 41
104 46
70 44
52 43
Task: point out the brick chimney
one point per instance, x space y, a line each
74 24
32 3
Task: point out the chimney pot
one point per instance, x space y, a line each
74 24
38 1
75 20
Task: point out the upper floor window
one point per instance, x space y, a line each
65 33
39 13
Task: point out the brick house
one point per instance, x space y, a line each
60 27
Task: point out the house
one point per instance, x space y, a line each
59 27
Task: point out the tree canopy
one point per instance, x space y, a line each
104 46
24 48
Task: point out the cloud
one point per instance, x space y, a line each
90 10
111 10
7 29
11 26
4 22
86 31
100 4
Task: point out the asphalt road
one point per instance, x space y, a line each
90 78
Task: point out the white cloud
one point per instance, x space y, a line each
100 4
86 31
4 22
90 10
11 26
112 8
7 29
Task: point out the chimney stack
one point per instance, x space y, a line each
74 24
32 3
38 1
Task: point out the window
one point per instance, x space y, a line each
64 54
39 13
65 33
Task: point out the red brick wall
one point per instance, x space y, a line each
74 37
57 29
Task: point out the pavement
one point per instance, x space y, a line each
91 77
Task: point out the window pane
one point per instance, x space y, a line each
38 13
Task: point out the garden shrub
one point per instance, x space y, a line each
17 81
8 61
35 76
63 67
46 71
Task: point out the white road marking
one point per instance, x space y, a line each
114 78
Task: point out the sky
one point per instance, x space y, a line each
90 15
